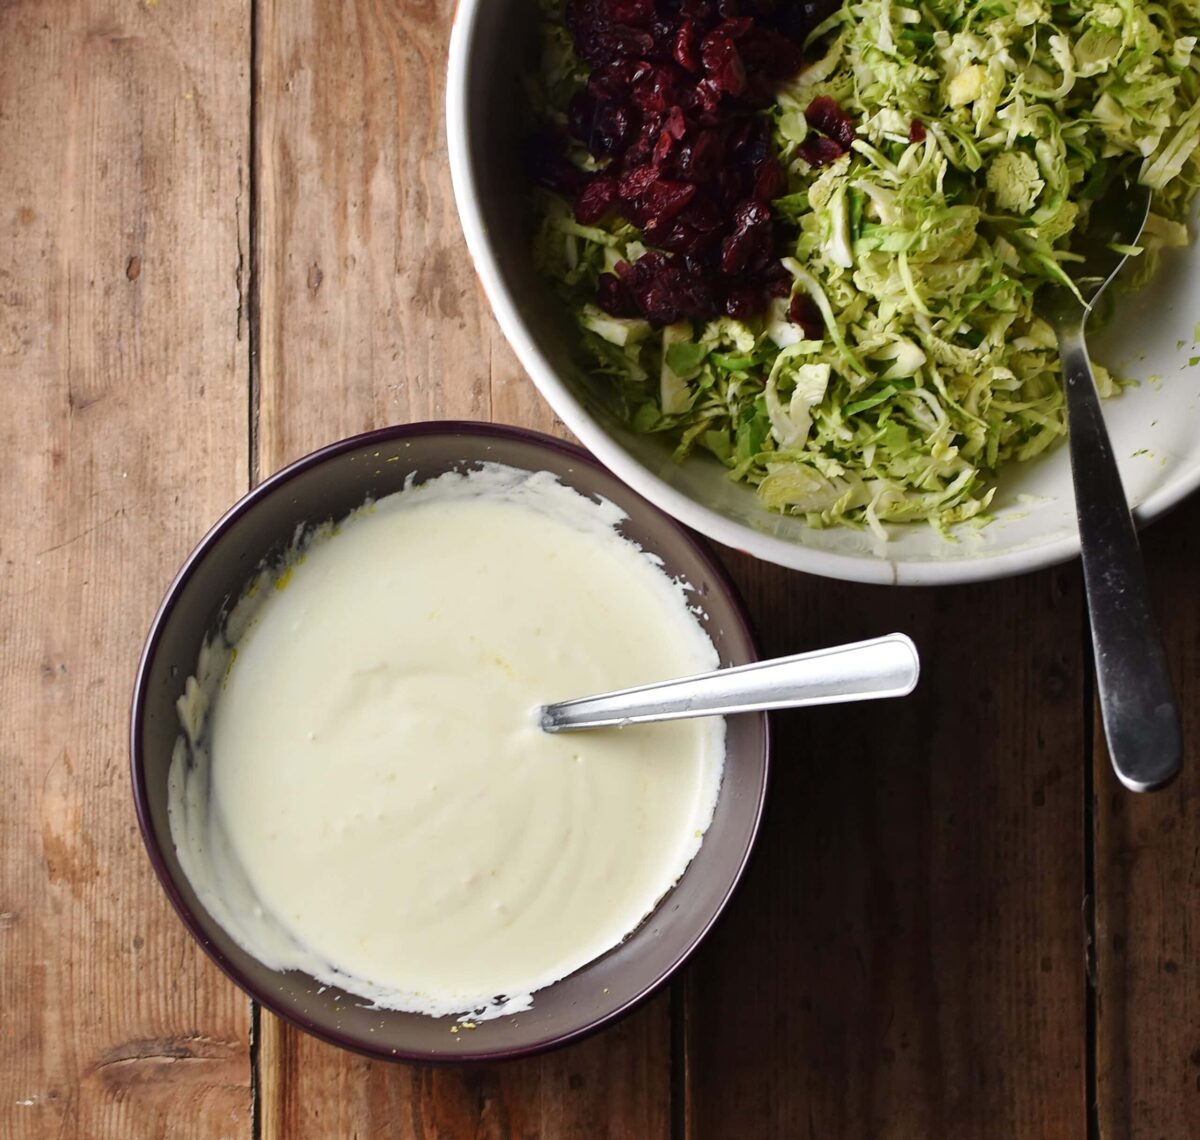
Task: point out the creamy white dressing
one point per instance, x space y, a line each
363 792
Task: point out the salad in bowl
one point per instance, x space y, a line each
808 240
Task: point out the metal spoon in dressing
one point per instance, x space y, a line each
864 671
1137 701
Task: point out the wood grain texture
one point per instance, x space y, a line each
124 373
906 957
369 309
369 313
1148 891
612 1087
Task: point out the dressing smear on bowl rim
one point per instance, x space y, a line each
362 792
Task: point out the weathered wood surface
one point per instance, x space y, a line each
124 376
906 957
179 315
1147 954
368 306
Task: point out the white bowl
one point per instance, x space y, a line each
1155 427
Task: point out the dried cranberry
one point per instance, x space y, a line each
734 27
595 199
641 149
672 131
613 43
685 48
612 84
659 302
638 272
826 115
662 200
758 143
737 135
662 28
817 150
634 183
730 185
675 294
613 297
702 214
916 131
779 280
750 140
684 239
707 95
675 124
612 128
604 128
803 311
723 63
743 303
664 291
630 41
699 159
639 13
770 180
695 232
655 91
750 238
752 215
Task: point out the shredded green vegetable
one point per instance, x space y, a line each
923 258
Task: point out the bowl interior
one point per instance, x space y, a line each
329 485
1152 340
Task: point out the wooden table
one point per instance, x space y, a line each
227 237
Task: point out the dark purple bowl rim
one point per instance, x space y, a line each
700 547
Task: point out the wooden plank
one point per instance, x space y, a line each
369 307
614 1085
124 368
906 958
370 314
1148 891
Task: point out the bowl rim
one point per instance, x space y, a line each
700 548
869 569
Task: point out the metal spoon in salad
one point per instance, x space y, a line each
1137 699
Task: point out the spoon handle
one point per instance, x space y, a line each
867 670
1137 700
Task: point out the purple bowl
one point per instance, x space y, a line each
328 484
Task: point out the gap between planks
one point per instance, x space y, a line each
1091 1055
254 396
